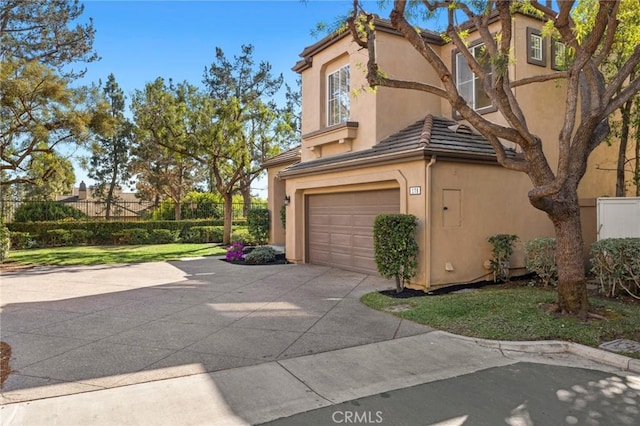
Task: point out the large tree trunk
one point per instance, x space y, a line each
228 218
622 149
572 290
246 196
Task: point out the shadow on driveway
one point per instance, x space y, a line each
77 329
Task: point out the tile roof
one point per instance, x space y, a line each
288 156
431 136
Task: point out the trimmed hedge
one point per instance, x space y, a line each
21 240
204 234
102 232
258 221
396 249
5 242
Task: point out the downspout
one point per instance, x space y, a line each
427 223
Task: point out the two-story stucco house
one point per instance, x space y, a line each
368 152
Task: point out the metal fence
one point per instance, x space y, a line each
127 210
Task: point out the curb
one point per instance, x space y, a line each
557 346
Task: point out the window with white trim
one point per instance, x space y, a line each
468 84
536 48
338 96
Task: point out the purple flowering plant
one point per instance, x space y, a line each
235 251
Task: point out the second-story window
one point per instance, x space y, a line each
558 55
535 48
338 96
468 84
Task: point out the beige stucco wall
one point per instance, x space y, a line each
493 200
378 113
275 199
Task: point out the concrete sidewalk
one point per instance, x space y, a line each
269 391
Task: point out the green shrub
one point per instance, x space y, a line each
132 236
162 236
21 240
242 235
258 221
283 216
259 255
204 234
58 237
616 264
80 236
5 242
34 211
502 250
396 250
541 259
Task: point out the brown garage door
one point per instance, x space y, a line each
340 227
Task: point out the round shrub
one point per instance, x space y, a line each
259 255
39 211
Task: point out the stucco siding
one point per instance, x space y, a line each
493 200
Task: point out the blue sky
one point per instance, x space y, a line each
139 41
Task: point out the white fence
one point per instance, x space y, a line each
618 217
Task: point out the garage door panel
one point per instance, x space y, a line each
363 241
343 240
340 227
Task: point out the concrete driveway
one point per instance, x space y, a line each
78 329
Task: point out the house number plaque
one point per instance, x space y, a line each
415 190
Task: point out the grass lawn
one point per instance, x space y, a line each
94 255
513 313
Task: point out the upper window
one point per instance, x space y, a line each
338 96
558 55
535 48
468 84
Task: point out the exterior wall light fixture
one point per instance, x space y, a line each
287 200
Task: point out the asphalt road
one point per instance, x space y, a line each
520 394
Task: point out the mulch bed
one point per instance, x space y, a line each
409 292
13 266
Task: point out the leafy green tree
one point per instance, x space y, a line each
162 114
589 100
42 31
109 161
40 112
51 175
625 122
246 89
